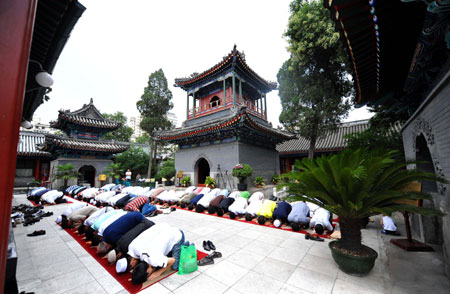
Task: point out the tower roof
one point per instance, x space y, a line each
234 60
88 117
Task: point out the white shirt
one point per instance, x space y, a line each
113 200
73 207
321 216
109 221
239 206
189 190
104 197
154 244
107 187
206 199
312 208
256 201
234 194
91 219
388 224
50 196
89 193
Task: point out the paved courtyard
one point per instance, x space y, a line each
256 259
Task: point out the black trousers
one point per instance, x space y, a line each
10 277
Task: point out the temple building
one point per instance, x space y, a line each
82 145
226 124
399 52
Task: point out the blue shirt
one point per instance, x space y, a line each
121 226
299 213
196 199
282 211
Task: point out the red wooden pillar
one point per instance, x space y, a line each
16 28
37 170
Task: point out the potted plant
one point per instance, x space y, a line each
167 172
355 185
66 172
186 181
114 170
259 181
275 179
210 182
242 172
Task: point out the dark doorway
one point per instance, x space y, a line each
423 155
87 174
202 170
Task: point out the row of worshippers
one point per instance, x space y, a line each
128 237
240 204
42 195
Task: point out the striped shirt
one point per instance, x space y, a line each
136 203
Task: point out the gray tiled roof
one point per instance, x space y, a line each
28 142
332 141
54 141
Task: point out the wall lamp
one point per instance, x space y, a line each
43 78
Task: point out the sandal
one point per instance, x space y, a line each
36 233
205 261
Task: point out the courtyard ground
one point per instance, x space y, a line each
256 259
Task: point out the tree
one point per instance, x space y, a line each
114 170
314 80
153 106
123 133
66 172
134 159
143 139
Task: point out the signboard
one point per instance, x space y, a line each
102 177
412 187
89 136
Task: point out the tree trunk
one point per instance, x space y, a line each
312 148
155 148
350 234
150 162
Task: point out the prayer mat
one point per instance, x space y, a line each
254 221
124 278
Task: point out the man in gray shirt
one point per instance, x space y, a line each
299 216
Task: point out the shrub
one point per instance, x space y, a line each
242 171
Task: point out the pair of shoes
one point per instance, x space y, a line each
314 238
36 233
205 261
215 254
208 245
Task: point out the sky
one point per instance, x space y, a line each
116 45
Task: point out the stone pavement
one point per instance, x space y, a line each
255 259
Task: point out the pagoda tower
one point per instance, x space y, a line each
226 124
82 145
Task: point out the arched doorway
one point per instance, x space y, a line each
202 170
87 174
431 226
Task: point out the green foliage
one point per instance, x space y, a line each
134 159
259 180
357 184
314 80
143 139
242 171
123 133
155 103
275 178
114 170
209 181
66 172
186 180
167 171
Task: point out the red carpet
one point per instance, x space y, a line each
121 278
268 224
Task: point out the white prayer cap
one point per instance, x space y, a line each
121 265
112 256
277 223
59 219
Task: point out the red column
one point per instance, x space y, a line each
37 170
16 27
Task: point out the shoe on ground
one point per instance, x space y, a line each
215 254
211 245
36 233
206 246
205 261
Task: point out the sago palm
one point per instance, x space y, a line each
355 185
66 172
114 171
